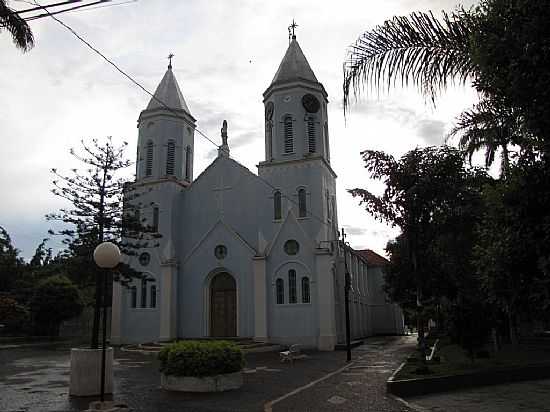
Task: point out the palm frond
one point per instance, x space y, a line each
418 49
490 125
19 29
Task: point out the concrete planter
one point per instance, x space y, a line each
86 372
217 383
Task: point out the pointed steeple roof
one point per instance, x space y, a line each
294 66
169 93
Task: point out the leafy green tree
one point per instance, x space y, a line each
513 249
55 300
434 200
10 263
17 26
511 50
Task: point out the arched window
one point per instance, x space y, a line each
292 286
289 135
170 157
311 134
188 163
277 206
149 158
329 211
269 137
137 161
133 297
155 219
153 299
327 149
143 293
305 290
280 291
302 206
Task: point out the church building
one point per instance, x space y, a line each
243 254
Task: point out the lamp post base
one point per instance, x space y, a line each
86 372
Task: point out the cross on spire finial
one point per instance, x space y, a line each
170 60
291 28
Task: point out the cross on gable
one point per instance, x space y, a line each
219 191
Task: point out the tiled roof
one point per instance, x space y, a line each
373 258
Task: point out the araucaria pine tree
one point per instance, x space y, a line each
96 212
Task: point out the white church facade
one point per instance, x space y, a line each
243 254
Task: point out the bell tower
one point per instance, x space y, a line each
297 152
166 135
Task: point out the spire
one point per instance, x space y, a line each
168 92
294 65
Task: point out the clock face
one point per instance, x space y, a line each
311 103
269 111
286 99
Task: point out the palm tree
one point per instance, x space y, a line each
18 27
492 126
419 49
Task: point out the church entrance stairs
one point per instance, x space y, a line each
247 345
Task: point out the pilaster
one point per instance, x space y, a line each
260 299
116 307
325 300
168 301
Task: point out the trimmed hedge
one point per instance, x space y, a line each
201 358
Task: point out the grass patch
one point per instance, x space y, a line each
453 360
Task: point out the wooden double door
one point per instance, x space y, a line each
223 306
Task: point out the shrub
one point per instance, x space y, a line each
55 300
13 316
201 358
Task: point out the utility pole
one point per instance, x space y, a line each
347 286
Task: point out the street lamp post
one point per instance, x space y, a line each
106 256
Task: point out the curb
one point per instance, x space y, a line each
426 385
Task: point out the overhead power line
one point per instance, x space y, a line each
136 83
50 14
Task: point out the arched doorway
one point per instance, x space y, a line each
223 306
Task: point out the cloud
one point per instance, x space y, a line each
355 231
431 131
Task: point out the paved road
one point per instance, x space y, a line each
530 396
36 380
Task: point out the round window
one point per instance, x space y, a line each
292 247
144 259
220 252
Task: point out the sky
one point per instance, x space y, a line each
226 54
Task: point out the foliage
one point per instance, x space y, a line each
420 49
511 50
513 243
437 202
13 316
502 46
97 195
55 300
17 26
10 263
195 358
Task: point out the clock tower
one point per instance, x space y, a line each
297 151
